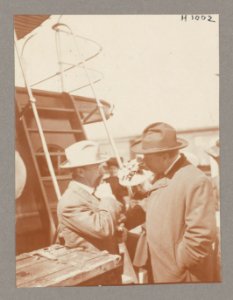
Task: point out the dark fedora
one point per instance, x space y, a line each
158 137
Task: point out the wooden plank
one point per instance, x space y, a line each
89 274
56 109
61 177
71 268
27 259
71 276
56 131
43 266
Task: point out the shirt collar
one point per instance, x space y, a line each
172 164
85 187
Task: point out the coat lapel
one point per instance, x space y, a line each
181 163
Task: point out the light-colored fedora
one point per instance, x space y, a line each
158 137
214 151
82 153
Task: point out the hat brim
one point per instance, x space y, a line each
68 165
137 147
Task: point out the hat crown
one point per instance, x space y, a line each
82 149
159 135
82 153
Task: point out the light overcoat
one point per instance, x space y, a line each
86 221
181 226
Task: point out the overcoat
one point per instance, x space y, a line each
181 226
86 221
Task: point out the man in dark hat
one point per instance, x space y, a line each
180 212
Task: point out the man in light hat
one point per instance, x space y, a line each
180 212
84 220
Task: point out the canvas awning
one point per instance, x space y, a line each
24 24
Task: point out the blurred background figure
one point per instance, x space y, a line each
20 175
214 153
119 191
192 158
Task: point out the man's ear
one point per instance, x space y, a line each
166 156
80 172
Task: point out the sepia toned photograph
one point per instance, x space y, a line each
117 150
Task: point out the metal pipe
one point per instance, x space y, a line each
100 106
101 110
61 72
32 100
64 70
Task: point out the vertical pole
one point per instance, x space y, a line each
43 141
60 63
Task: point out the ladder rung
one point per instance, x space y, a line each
64 177
53 109
50 153
56 109
56 131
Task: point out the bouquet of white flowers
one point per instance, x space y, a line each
133 174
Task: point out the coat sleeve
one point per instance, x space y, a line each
98 222
200 225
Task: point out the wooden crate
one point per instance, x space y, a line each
59 266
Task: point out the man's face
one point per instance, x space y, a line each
156 162
92 174
113 170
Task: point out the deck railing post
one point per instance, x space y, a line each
32 100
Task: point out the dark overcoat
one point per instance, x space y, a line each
181 226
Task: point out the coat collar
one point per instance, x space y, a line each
160 183
180 163
87 188
171 166
81 188
163 180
